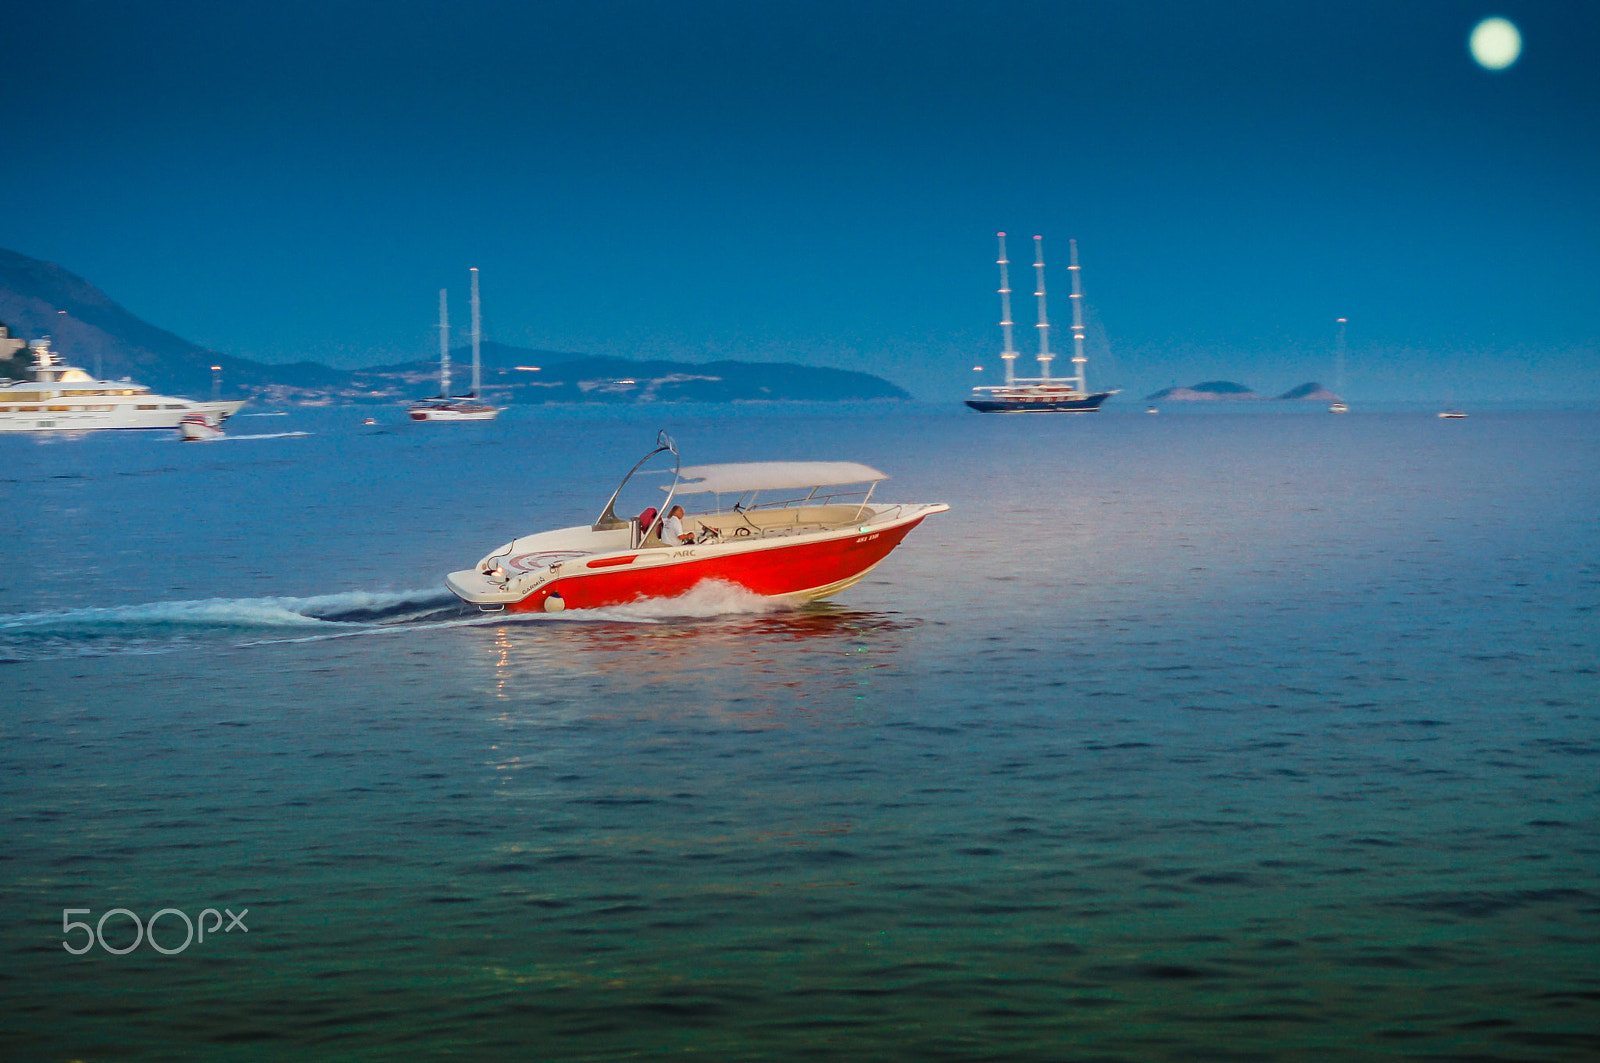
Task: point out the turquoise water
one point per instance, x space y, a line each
1230 735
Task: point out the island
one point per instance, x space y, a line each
1228 391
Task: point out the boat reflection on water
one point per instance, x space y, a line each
720 666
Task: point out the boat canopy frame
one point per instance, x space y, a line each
608 518
747 480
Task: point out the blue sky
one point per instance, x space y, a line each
821 182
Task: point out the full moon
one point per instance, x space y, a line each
1495 43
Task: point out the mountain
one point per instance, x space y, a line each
1226 390
518 375
33 296
89 330
1210 391
1310 392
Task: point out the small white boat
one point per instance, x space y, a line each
1151 409
461 407
452 410
1453 414
822 534
195 427
1338 407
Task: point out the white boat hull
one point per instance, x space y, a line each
197 429
71 414
455 412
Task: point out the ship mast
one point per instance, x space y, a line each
444 345
477 332
1010 352
1338 362
1079 360
1045 357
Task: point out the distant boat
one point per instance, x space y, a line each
64 398
446 407
196 427
1338 407
1451 413
1044 393
1151 409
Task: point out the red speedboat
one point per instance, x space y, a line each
785 529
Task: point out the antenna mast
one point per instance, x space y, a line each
1079 360
444 345
1044 322
1338 362
477 332
1010 352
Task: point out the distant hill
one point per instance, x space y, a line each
1210 391
1312 392
519 375
1227 390
95 332
32 294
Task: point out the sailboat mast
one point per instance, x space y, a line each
444 344
1079 359
1045 356
477 333
1338 362
1010 352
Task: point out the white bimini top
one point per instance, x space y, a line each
771 476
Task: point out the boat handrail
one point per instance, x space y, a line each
831 498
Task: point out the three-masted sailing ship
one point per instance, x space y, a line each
1043 393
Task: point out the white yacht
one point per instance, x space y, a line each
64 398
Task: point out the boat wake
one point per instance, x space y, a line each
160 627
258 435
164 627
711 598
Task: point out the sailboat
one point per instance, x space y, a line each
462 407
1044 393
1338 405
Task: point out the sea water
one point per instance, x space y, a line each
1235 734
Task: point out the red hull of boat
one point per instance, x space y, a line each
772 572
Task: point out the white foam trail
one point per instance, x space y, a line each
710 598
363 632
259 435
238 612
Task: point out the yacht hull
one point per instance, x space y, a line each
71 414
1039 404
